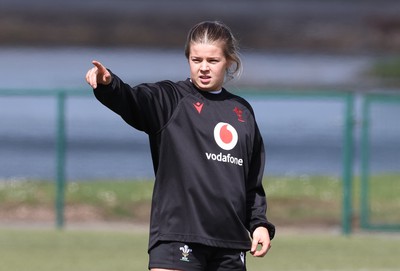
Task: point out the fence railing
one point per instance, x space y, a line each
369 101
60 156
348 141
347 98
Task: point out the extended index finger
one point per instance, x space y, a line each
98 65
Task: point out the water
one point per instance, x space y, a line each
65 67
301 136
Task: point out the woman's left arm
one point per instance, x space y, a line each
256 197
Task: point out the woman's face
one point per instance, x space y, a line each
208 65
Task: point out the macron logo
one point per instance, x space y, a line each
198 106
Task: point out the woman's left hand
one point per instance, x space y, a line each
260 237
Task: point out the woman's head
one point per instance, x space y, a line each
212 45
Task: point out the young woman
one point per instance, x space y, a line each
209 206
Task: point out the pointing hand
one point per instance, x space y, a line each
98 75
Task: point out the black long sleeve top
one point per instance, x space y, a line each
208 159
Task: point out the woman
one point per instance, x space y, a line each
208 157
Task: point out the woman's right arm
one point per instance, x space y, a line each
146 107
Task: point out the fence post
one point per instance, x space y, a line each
347 208
60 158
364 209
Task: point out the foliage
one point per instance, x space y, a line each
292 200
387 68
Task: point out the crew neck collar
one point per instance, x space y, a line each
210 91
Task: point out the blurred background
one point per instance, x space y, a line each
336 43
326 46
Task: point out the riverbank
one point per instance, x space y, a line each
307 25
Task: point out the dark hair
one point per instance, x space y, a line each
214 31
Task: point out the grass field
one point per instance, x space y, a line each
300 203
84 250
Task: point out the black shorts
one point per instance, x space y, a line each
196 257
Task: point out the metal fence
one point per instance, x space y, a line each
60 155
346 99
371 101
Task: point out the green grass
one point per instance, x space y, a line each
387 68
304 200
49 250
384 199
55 250
293 201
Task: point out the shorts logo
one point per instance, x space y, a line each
242 258
225 136
185 253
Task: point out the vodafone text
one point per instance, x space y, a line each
226 158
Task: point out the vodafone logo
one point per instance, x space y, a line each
225 136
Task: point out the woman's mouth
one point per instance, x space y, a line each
205 79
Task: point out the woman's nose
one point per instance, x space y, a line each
204 66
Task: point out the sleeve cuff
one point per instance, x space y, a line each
269 226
